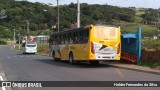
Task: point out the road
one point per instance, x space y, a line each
19 67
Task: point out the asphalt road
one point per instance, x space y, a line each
19 67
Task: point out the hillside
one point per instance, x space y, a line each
13 15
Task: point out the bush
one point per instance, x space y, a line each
3 42
150 44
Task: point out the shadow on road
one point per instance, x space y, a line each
77 65
25 54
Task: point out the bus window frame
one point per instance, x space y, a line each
76 36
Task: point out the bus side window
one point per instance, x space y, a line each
74 37
70 38
85 36
55 39
62 39
59 39
81 37
66 39
78 38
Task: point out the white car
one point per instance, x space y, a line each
29 47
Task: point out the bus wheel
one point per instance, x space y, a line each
53 56
71 60
94 62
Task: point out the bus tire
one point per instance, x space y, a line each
53 56
71 59
94 62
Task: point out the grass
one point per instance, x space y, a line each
150 64
43 48
3 41
139 11
17 48
150 44
138 19
147 30
130 27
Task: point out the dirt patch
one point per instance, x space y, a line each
158 68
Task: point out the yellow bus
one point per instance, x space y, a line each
92 43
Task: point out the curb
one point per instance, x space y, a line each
151 71
148 70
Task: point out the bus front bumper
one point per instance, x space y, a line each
106 57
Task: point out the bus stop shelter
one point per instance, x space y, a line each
131 46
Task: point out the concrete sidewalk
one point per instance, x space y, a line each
135 68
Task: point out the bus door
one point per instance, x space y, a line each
64 47
82 44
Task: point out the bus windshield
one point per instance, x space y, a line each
31 45
105 32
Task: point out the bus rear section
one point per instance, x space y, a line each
105 43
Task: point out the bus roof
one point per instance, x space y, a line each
82 28
107 25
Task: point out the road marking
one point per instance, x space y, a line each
119 73
1 79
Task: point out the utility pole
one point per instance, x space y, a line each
14 38
19 39
158 19
58 14
78 14
28 27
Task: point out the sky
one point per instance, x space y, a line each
123 3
